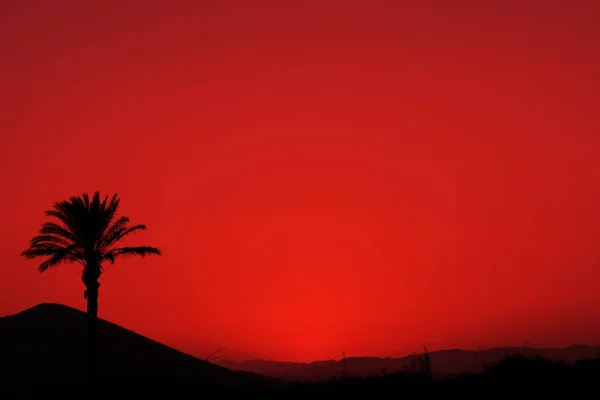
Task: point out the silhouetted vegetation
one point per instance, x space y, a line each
88 233
515 374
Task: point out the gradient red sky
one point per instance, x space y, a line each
336 176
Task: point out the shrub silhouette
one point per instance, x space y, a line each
514 374
88 233
425 363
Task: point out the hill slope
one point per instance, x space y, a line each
45 344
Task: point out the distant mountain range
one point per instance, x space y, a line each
45 345
444 363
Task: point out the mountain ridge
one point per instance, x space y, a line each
444 363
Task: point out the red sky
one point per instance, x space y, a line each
321 176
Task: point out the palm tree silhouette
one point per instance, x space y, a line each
86 232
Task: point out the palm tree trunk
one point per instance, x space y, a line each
91 332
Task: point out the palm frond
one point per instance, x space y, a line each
141 251
56 254
71 215
52 228
108 212
112 232
84 200
50 239
44 250
120 234
113 206
54 261
65 212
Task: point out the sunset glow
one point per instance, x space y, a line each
365 177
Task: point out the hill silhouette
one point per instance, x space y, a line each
43 348
44 345
444 363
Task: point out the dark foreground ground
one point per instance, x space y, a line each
41 356
515 376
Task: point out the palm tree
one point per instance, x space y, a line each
86 232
